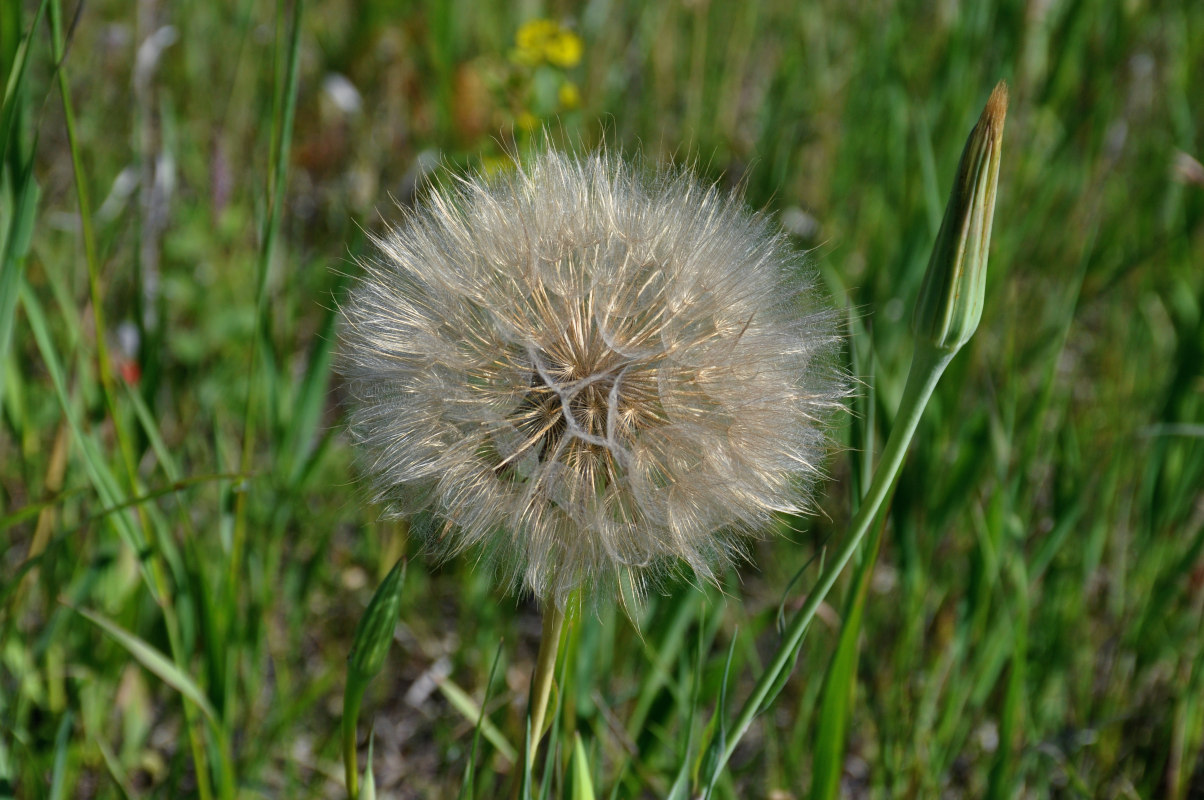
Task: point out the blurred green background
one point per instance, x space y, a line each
185 552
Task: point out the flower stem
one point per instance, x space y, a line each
351 709
541 679
927 365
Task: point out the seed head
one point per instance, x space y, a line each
592 373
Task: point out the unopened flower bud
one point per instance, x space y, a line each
374 633
951 297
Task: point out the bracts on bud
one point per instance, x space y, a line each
951 297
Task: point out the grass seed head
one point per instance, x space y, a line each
594 373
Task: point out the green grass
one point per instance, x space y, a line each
184 556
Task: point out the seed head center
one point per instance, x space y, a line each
587 408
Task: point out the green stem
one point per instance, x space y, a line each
541 679
927 365
351 712
541 691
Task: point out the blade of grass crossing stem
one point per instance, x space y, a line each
153 660
573 690
33 509
373 636
550 759
470 767
841 680
582 785
474 713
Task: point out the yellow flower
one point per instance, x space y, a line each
545 40
569 96
531 37
563 49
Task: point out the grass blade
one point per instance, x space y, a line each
310 401
368 788
15 86
94 463
582 785
16 246
470 767
58 773
153 660
471 711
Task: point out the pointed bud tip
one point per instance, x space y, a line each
997 108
